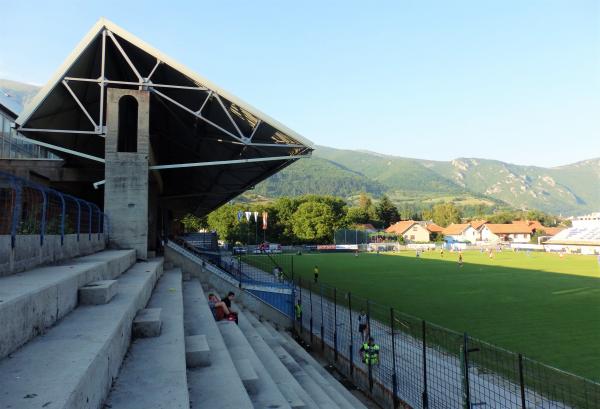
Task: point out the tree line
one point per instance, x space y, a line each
315 218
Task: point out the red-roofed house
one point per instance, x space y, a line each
534 224
434 228
461 232
410 230
478 225
552 231
514 232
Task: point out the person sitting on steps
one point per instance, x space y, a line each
218 308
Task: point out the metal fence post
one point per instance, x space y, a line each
394 376
63 211
78 218
17 208
466 388
322 318
351 336
335 349
368 336
106 228
240 271
522 381
311 311
89 221
99 221
300 296
43 225
425 394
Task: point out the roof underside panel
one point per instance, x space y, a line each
191 120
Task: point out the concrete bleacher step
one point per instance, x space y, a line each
287 384
74 364
264 392
153 374
147 323
98 292
32 301
342 396
312 388
197 351
247 374
218 385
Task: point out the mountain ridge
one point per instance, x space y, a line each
566 189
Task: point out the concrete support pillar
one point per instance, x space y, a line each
126 169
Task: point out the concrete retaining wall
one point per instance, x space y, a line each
28 252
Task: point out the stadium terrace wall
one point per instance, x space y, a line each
28 253
39 225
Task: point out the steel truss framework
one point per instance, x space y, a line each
97 121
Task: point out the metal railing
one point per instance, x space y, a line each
246 269
27 208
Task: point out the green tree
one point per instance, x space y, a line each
192 223
427 214
280 220
502 217
357 215
224 221
314 221
386 211
444 214
364 201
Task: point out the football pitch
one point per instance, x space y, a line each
539 304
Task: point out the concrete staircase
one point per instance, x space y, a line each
256 366
73 363
66 342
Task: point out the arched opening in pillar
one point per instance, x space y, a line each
128 123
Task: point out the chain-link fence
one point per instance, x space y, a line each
422 365
27 209
351 236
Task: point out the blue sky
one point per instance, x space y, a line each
517 81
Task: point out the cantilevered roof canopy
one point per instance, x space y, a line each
207 146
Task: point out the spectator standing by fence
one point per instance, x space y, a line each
363 325
370 352
298 310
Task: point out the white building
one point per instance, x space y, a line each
462 233
515 233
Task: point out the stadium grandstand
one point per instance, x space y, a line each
92 315
583 237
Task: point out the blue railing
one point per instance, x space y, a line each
28 208
265 277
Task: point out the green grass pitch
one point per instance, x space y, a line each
539 304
